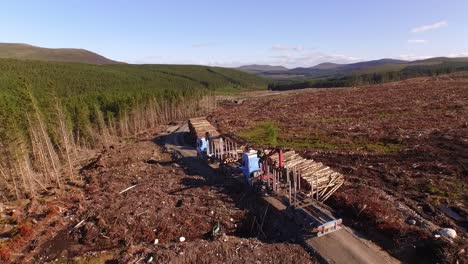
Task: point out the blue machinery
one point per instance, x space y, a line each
250 165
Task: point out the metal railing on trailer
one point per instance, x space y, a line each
286 182
220 148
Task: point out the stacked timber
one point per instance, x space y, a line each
317 179
219 147
200 126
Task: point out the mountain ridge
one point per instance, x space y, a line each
22 51
328 69
327 66
261 68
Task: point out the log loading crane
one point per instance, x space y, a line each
302 185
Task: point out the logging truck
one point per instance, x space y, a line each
302 185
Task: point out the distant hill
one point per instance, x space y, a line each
373 63
327 66
29 52
262 68
366 73
439 60
333 70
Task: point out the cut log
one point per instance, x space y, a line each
316 178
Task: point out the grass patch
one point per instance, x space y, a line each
269 134
432 189
450 190
311 142
265 133
384 148
384 115
320 141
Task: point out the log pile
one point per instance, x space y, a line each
319 180
200 126
219 147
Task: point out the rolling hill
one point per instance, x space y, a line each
372 63
327 66
377 74
261 68
333 70
29 52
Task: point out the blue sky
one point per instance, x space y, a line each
232 33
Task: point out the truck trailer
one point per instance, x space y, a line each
302 185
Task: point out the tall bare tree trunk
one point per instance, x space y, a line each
65 135
48 147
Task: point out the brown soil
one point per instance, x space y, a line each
402 146
226 249
96 223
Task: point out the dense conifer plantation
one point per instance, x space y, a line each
50 112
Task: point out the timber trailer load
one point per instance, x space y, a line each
300 184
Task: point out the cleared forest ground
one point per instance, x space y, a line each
97 222
403 147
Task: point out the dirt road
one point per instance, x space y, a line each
339 247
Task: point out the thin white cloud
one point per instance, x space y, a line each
310 59
298 48
430 27
298 56
412 57
146 60
455 55
417 41
200 45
